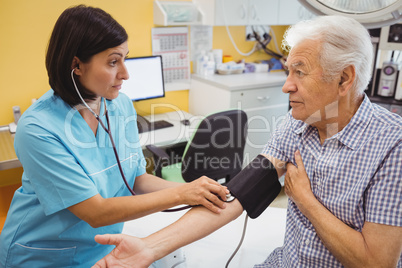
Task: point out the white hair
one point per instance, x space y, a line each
345 42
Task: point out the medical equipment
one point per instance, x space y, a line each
256 186
229 198
398 90
17 114
145 73
240 242
108 131
388 77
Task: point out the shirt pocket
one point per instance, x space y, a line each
27 256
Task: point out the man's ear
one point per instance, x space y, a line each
76 65
348 77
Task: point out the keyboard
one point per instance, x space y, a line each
151 126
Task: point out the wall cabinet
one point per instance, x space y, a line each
258 94
173 13
239 12
252 12
291 12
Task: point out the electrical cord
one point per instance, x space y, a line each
231 38
240 243
264 46
397 59
274 37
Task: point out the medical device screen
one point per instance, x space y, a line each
146 78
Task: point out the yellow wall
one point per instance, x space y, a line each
221 40
25 27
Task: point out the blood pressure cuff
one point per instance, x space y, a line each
256 186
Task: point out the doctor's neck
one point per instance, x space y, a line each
95 105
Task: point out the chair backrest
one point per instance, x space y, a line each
217 147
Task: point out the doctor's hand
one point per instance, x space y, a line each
297 183
204 191
130 252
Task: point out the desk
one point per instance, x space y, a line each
263 235
172 135
8 158
162 137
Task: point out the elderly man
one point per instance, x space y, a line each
342 156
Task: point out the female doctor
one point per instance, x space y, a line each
72 186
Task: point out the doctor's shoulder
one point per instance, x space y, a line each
43 113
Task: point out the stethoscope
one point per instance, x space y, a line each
109 132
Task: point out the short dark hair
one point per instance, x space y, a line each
80 31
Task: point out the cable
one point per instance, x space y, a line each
274 37
240 243
397 59
109 132
230 35
264 46
269 51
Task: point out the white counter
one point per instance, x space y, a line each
243 81
258 94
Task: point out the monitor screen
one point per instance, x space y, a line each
146 78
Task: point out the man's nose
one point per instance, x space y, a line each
290 85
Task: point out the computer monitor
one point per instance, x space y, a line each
146 78
145 82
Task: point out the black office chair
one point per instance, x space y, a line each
215 150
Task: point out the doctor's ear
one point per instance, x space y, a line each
76 65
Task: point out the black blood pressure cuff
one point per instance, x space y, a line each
256 186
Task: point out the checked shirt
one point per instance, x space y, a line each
356 174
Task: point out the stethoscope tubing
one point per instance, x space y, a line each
109 132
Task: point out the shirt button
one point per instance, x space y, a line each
307 242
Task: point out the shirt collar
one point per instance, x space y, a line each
351 134
299 127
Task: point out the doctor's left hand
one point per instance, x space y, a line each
130 252
205 192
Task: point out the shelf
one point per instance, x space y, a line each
177 86
8 158
175 13
386 100
388 103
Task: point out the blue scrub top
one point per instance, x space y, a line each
64 164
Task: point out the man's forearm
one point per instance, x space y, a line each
339 238
376 246
195 224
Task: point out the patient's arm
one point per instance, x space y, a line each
195 224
